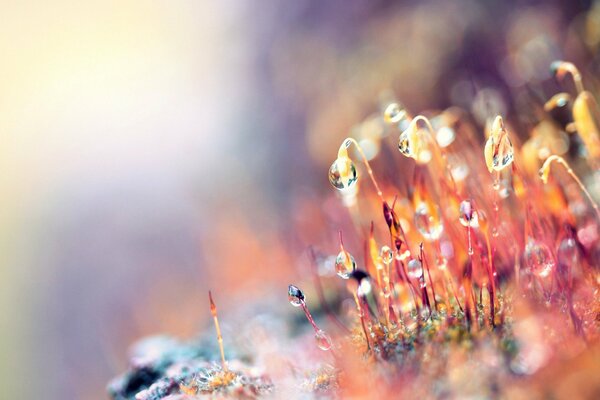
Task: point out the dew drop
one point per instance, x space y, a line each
414 268
295 296
568 252
427 221
344 264
404 144
468 216
323 340
538 258
499 152
386 255
342 173
393 113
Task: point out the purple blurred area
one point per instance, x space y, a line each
153 150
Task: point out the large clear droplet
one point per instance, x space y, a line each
538 258
344 264
427 221
414 268
342 173
295 296
323 340
386 255
468 216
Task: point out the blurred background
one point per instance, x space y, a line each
151 150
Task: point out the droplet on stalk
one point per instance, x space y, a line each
468 216
386 255
295 296
344 264
297 299
428 221
538 258
414 142
342 173
323 340
414 268
568 253
393 113
498 151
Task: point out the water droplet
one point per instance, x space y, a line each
404 144
415 143
468 215
427 221
323 340
295 296
393 113
414 268
386 255
568 253
538 258
498 151
342 173
344 264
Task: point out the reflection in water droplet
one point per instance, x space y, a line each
295 296
568 253
468 216
386 255
342 173
538 258
414 268
404 144
498 151
323 340
393 113
415 143
427 221
344 264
